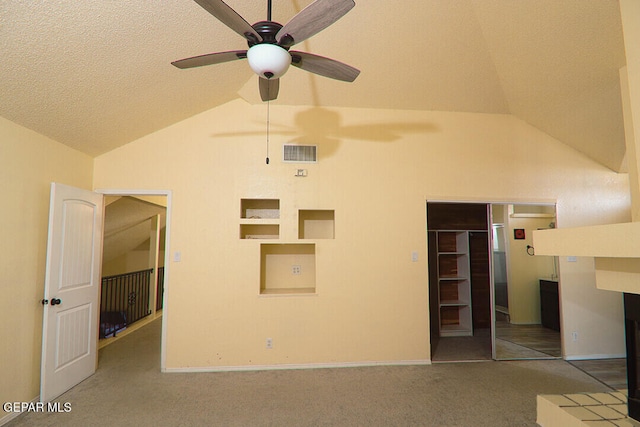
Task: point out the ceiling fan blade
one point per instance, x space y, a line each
324 66
230 18
268 88
210 59
313 19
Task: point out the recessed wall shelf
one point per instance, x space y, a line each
316 224
259 231
259 218
287 268
260 208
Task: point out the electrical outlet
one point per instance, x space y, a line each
269 343
296 270
574 336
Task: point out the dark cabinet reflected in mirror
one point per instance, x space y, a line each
526 297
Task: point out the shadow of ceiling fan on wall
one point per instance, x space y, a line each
269 43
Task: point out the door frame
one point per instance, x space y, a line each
491 281
167 268
490 202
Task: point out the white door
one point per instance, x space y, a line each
71 290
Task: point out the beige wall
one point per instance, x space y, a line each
29 162
377 168
134 260
630 84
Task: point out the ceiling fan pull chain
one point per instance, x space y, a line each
268 104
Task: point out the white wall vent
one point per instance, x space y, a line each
292 153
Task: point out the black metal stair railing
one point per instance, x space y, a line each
124 300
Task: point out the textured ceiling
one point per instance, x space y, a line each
96 74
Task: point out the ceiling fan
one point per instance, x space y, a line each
269 43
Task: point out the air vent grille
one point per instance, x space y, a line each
299 153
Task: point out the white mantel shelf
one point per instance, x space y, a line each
609 241
615 248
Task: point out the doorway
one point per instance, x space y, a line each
70 321
138 216
459 281
132 263
491 297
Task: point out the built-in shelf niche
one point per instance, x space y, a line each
316 224
260 208
259 231
259 218
287 268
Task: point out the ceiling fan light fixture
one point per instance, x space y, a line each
269 61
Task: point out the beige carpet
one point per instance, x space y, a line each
471 348
129 390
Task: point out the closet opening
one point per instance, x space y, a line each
491 296
459 281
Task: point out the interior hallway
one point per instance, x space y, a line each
129 390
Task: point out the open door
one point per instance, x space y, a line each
71 291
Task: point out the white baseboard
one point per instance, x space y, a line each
296 366
13 415
595 356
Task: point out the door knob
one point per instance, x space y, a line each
56 301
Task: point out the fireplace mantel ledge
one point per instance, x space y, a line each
615 248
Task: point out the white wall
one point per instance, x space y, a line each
377 168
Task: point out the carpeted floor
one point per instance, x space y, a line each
454 349
129 390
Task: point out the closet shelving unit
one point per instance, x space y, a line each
454 283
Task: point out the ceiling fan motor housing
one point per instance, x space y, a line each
267 30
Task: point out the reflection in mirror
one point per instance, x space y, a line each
526 305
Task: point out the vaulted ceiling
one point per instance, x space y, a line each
96 74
